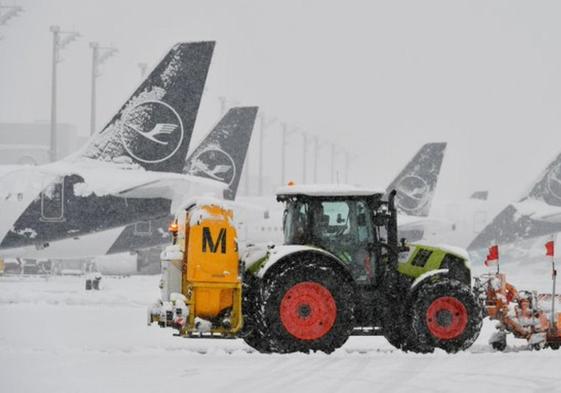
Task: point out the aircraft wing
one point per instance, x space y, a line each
133 182
178 189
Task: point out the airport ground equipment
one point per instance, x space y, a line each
524 314
341 271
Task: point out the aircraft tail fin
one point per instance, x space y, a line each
153 128
416 183
222 153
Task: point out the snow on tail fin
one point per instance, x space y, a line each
221 155
547 187
416 183
154 127
537 213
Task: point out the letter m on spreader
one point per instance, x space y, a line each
208 241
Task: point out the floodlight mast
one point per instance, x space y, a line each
99 56
61 39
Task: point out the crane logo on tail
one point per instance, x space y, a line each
215 164
413 193
152 132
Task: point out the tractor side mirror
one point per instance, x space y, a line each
380 220
403 247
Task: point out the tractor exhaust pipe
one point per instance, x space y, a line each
393 240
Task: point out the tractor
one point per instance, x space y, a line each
341 271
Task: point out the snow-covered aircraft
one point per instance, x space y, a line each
458 222
537 213
225 147
130 171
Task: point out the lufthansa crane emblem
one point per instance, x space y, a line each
413 193
152 132
214 163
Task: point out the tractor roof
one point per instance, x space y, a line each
326 190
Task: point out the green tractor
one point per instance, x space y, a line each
343 271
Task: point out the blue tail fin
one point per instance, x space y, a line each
153 128
221 155
416 183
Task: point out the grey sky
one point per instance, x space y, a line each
377 77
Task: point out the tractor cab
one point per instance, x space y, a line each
351 223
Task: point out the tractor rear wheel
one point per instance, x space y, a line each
253 332
446 315
307 307
258 341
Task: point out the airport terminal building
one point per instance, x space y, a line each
29 143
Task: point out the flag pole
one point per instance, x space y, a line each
554 277
498 260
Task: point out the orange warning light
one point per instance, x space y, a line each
173 228
291 183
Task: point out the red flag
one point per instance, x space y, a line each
493 254
550 248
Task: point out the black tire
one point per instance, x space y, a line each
253 332
499 345
258 341
445 314
554 346
322 322
401 335
395 331
88 285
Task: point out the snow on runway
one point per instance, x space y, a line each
56 337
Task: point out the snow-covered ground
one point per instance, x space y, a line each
56 337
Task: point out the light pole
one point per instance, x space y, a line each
8 12
223 104
60 40
284 135
99 56
317 145
304 160
333 153
264 123
347 163
143 68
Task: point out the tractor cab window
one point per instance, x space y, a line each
345 228
330 219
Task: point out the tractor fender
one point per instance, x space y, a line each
423 277
280 255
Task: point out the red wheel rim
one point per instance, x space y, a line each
447 318
308 311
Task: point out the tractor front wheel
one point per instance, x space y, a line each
308 307
446 315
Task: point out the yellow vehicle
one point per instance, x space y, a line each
2 266
201 282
